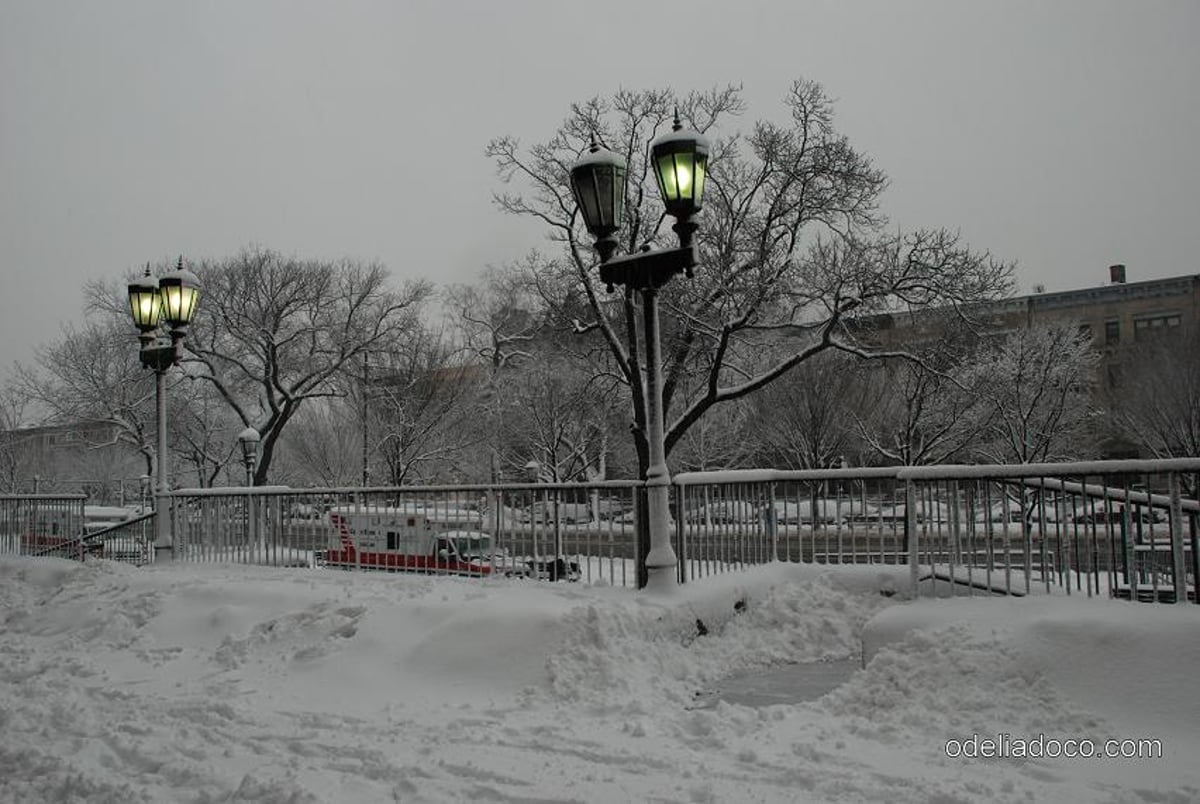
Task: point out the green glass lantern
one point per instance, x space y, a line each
179 292
144 302
680 160
598 183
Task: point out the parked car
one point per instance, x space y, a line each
1099 512
722 512
546 512
825 511
611 508
1002 511
929 511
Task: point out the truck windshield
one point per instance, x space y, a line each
474 546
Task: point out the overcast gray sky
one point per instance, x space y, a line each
1061 135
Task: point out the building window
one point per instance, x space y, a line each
1085 332
1112 332
1154 326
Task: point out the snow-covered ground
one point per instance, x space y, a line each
205 683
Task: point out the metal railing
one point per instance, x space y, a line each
131 541
730 519
1102 528
59 526
549 531
1125 529
34 523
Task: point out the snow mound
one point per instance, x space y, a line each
678 646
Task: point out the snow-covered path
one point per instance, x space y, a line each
225 683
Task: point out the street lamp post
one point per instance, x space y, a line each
170 304
680 162
249 439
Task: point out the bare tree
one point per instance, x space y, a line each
499 321
920 410
204 431
92 374
12 446
915 414
789 243
1157 404
273 332
806 420
419 401
320 449
562 414
1037 383
725 438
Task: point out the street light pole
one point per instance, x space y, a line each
161 521
661 559
169 303
249 439
680 163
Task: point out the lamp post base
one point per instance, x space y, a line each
661 580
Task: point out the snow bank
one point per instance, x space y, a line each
199 683
1133 665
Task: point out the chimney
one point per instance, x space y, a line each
1116 273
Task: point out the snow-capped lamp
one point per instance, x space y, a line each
145 304
180 293
680 160
598 183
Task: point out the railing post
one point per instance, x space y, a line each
772 522
910 535
1178 568
1195 557
1127 546
680 540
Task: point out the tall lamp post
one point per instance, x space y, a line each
168 304
680 162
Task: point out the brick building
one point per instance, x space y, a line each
1115 314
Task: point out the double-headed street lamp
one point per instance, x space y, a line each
680 162
170 304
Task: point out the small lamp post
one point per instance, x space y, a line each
170 304
249 439
145 484
680 162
